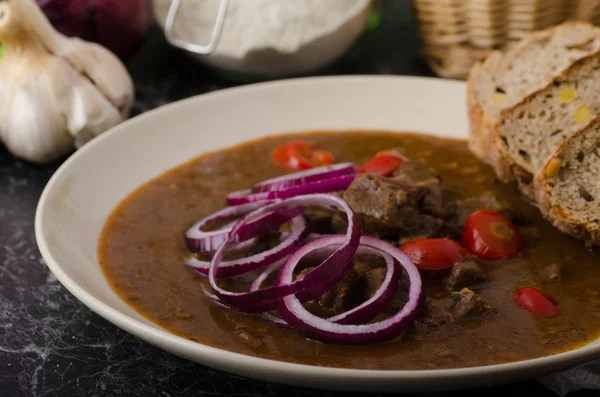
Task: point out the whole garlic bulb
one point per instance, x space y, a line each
57 92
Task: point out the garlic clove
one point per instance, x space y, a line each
89 113
30 125
32 18
104 68
32 129
52 102
44 141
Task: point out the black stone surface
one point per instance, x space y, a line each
52 345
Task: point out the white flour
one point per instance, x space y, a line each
281 25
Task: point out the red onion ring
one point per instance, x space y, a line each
244 265
362 313
304 177
255 286
327 270
382 297
262 308
198 240
335 184
298 317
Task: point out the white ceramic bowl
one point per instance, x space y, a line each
82 193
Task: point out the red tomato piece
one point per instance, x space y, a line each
299 155
533 300
490 236
280 156
434 253
322 157
384 163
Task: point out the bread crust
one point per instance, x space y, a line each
476 138
523 176
481 129
551 209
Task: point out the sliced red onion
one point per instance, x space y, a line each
363 313
244 265
382 297
266 223
335 184
198 240
215 298
304 177
257 283
321 329
262 307
328 269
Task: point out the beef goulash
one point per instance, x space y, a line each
354 249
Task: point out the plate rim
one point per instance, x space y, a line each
222 359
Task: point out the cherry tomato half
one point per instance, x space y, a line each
299 155
384 163
434 253
533 300
490 236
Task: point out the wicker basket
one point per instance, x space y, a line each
455 33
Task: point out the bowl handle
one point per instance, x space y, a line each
192 47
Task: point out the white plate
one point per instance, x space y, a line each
83 192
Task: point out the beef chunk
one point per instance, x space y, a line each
377 197
303 273
339 223
358 285
427 182
319 219
460 210
451 230
552 273
361 267
343 296
340 298
383 206
389 208
408 204
437 313
433 227
451 310
469 304
465 274
370 281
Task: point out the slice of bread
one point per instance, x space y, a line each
503 79
529 132
567 188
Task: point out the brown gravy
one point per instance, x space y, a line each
142 254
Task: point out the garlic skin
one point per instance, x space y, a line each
57 93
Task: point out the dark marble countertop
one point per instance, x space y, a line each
52 345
